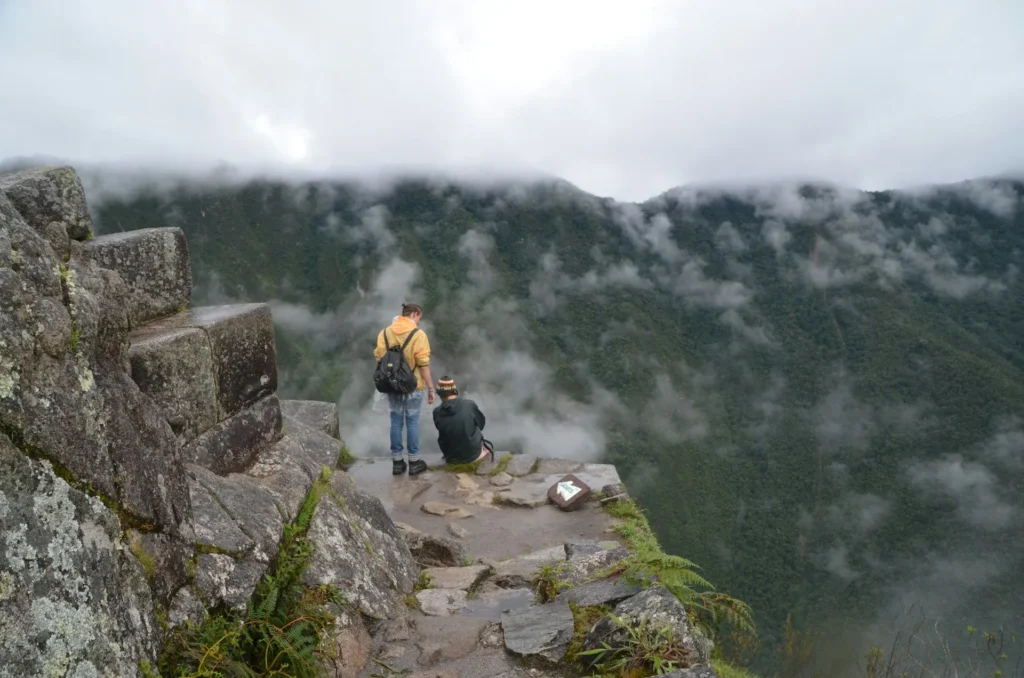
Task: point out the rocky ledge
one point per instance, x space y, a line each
510 585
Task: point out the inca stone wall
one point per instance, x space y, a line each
146 468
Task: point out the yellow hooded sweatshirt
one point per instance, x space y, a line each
417 353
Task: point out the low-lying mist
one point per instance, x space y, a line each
764 410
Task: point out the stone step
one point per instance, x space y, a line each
212 371
232 445
320 415
154 264
242 358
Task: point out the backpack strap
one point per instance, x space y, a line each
409 338
387 344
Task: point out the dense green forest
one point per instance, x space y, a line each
815 392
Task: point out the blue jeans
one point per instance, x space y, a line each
406 409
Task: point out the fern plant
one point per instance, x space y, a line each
715 614
287 626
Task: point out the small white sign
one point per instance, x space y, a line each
566 490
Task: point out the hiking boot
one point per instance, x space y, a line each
417 466
397 467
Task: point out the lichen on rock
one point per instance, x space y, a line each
359 550
72 597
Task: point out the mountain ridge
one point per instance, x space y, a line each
791 358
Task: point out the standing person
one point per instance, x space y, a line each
460 426
404 333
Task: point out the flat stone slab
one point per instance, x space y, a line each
587 547
243 350
439 508
447 638
463 578
232 445
318 447
174 367
250 505
289 481
155 266
522 568
527 492
540 630
599 475
600 592
584 565
501 479
520 465
322 416
441 602
213 526
458 532
49 195
549 467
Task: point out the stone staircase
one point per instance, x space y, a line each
249 458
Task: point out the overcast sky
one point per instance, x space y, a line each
624 99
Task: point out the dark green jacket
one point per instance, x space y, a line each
460 425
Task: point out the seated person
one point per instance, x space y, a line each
460 425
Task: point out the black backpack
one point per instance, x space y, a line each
393 375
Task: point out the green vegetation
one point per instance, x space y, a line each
724 619
547 580
787 435
287 625
423 581
144 557
645 650
469 467
345 457
501 465
583 619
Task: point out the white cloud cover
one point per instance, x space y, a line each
622 98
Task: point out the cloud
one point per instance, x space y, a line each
837 562
358 88
843 422
673 415
729 239
858 513
372 229
1006 447
550 285
856 241
973 486
321 328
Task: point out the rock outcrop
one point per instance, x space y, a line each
147 470
73 600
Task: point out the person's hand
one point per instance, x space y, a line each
430 396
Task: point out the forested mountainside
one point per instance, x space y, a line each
815 392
